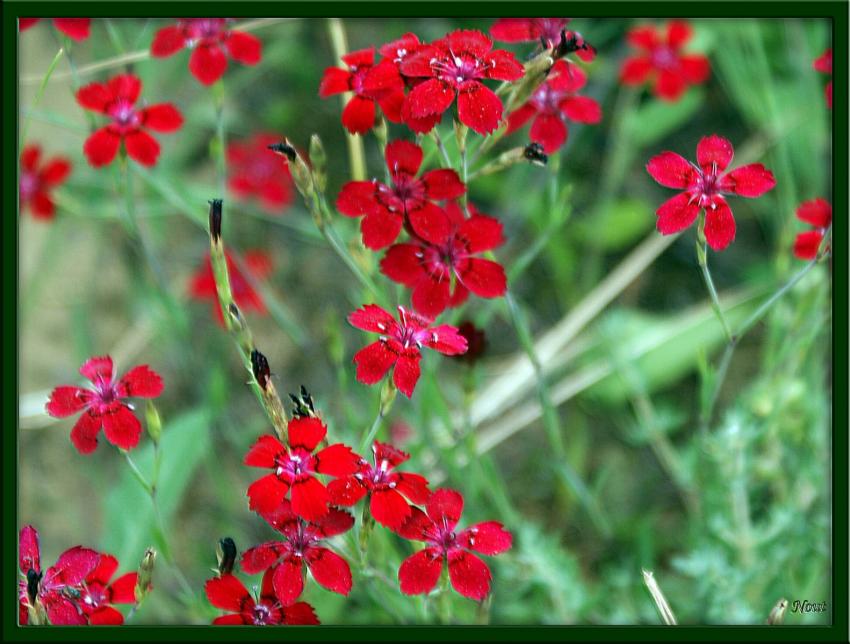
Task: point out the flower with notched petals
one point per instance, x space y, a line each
295 468
211 42
116 99
387 489
228 593
441 273
302 548
409 200
704 188
816 213
75 28
546 31
104 404
257 263
823 64
256 171
437 527
455 66
662 62
97 594
38 177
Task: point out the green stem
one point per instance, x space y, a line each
388 396
137 473
702 258
435 134
219 142
40 93
356 153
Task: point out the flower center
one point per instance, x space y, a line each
454 70
124 115
441 536
664 57
549 29
547 99
204 29
262 615
297 463
29 185
406 193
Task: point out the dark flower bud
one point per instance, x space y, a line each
226 555
33 580
571 42
302 405
260 368
285 149
215 219
534 153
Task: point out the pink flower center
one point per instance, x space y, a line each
706 186
262 615
379 476
547 99
29 185
93 596
105 391
358 78
204 30
663 57
124 115
441 536
549 29
407 193
298 463
455 70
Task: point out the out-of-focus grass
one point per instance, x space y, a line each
730 519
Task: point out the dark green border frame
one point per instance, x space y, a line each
837 11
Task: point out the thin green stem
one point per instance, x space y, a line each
39 94
219 142
388 396
702 258
137 473
447 162
356 153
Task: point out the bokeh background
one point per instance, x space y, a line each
730 516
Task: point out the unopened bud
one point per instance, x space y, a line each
215 219
144 581
153 422
319 161
504 160
461 131
535 74
302 405
301 174
260 369
534 153
226 555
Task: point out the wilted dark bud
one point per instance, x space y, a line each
33 580
226 555
302 405
285 149
572 42
144 581
215 219
260 368
301 173
153 421
534 153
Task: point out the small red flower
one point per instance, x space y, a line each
409 200
817 213
38 177
55 587
228 593
398 348
116 99
103 404
75 28
211 42
98 594
451 67
662 62
823 64
553 103
546 31
386 488
286 560
295 468
257 263
256 171
705 186
436 526
442 273
370 84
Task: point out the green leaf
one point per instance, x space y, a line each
617 226
656 119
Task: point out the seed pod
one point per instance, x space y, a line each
144 581
226 555
260 368
153 422
215 219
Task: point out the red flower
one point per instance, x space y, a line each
97 593
662 62
211 42
408 200
55 587
295 468
818 213
553 103
398 348
704 188
257 263
117 99
103 404
823 64
75 28
387 489
256 171
286 560
546 31
455 66
442 273
370 83
37 179
469 575
228 593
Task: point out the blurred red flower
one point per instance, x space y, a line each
256 171
38 177
257 263
228 593
817 213
98 594
546 31
823 64
75 28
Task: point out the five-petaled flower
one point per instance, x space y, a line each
546 31
453 66
50 592
662 61
256 171
409 200
301 548
104 404
116 99
97 594
211 42
370 84
387 489
258 265
817 213
295 468
823 64
38 177
399 346
553 103
468 574
441 273
228 593
75 28
704 188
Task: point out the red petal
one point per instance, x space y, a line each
101 147
428 98
126 86
264 452
479 107
484 277
330 570
229 620
29 157
418 64
513 30
635 70
401 263
669 85
644 37
389 508
748 181
413 486
386 452
430 223
75 28
358 117
337 460
66 400
719 225
676 214
371 317
468 40
403 156
309 499
226 592
409 42
817 212
678 33
29 556
671 170
42 206
581 109
431 295
121 427
714 153
266 493
142 147
566 76
420 572
142 382
807 244
306 432
26 23
481 233
383 79
504 66
96 368
94 96
55 171
103 571
346 491
822 64
73 566
85 431
288 581
373 361
379 229
488 538
359 58
416 525
406 373
391 104
469 575
519 117
421 125
443 184
262 557
163 117
63 612
123 589
244 48
106 616
447 340
300 613
334 81
549 131
357 198
445 505
695 69
167 41
208 63
335 522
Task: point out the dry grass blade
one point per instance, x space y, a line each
658 597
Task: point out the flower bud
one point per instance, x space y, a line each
536 71
144 581
534 152
226 555
319 161
215 219
260 369
302 405
153 422
301 174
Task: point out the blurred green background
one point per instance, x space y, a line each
730 516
